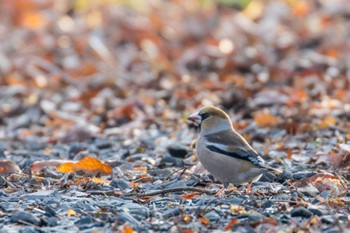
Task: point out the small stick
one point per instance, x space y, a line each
171 190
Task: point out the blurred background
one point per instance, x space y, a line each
70 70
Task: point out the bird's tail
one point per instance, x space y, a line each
272 169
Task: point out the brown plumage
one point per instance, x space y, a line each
224 152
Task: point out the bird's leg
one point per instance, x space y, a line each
248 188
221 192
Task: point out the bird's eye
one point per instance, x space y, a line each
205 115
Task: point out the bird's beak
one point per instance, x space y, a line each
195 118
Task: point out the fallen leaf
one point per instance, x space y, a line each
186 218
188 195
66 167
99 180
40 165
92 166
204 221
229 226
265 119
236 209
8 167
89 165
323 182
33 20
71 212
336 159
127 229
328 122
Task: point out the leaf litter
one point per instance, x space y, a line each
94 99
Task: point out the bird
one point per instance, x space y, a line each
223 152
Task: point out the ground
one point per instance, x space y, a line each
94 100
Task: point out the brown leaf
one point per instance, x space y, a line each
265 119
229 226
188 195
8 167
336 159
187 218
204 221
323 182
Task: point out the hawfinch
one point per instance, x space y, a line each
224 152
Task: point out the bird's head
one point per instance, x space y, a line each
211 119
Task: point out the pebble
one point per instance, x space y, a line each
172 213
301 175
137 211
40 195
120 184
309 190
84 220
315 211
25 217
301 212
52 221
284 176
178 150
212 216
49 211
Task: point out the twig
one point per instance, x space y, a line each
168 176
172 190
342 183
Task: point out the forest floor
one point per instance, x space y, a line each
94 100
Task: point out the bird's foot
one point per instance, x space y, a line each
220 193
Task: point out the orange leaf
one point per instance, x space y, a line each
127 229
33 20
329 121
134 185
71 212
233 222
82 181
89 165
188 195
99 180
92 166
66 167
265 119
186 218
204 221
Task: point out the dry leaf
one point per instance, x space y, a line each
127 229
188 195
99 180
229 226
236 209
8 167
33 20
89 165
265 119
186 218
328 122
204 221
66 167
336 159
71 212
40 165
323 182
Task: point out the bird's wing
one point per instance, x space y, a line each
232 144
238 153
